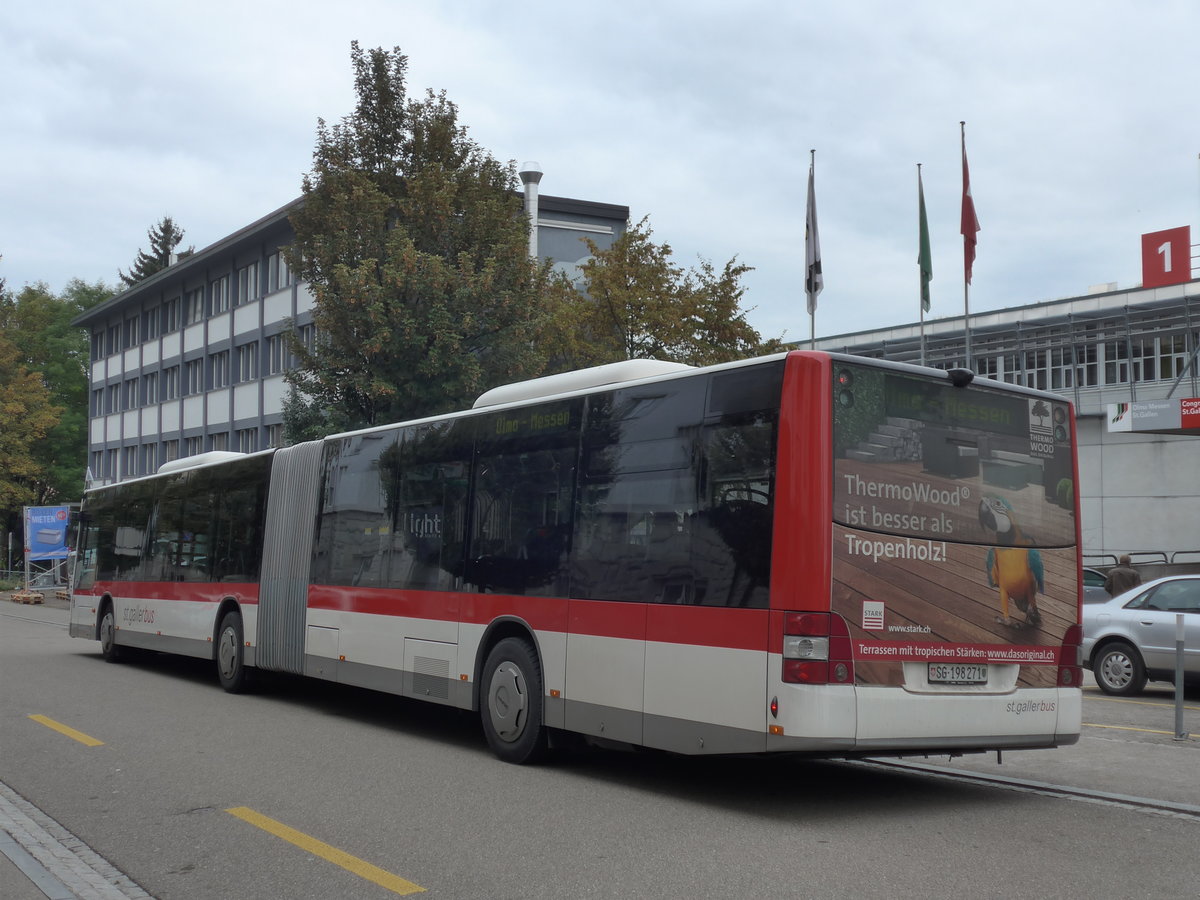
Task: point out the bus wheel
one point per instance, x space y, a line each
1119 670
231 669
511 706
108 635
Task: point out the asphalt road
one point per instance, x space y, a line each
309 790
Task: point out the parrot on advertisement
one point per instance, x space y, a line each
1015 568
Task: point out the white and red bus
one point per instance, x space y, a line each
808 552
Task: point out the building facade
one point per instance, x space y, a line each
1109 352
193 358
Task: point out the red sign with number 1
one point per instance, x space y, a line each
1167 257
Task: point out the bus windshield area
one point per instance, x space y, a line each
918 457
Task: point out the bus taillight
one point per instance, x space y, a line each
816 649
1070 658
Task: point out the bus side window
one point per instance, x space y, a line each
522 521
734 526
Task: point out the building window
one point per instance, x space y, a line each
193 377
220 295
112 399
247 283
277 355
220 441
170 316
193 446
247 362
113 343
96 469
247 440
275 435
133 335
170 450
149 458
1034 375
1086 366
1062 369
150 324
98 402
278 274
989 367
193 306
149 388
1116 363
1173 357
129 461
308 336
170 386
110 464
97 344
218 365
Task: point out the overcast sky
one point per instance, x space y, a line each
1083 130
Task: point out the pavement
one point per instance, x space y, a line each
39 858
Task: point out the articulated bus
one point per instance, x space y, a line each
809 553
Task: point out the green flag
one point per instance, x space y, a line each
923 257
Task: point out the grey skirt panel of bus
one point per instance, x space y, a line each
287 556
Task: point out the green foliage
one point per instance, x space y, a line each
305 419
639 304
27 415
44 395
164 237
412 239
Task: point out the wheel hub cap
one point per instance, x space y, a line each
507 701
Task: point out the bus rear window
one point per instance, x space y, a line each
919 457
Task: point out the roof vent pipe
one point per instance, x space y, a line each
531 174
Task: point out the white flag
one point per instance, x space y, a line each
813 280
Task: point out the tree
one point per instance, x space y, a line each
640 305
412 239
28 415
164 238
38 323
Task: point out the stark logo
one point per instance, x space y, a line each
872 615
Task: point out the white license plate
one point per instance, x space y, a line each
957 673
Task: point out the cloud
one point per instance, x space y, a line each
1078 128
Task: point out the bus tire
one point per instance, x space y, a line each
512 703
108 634
231 665
1119 670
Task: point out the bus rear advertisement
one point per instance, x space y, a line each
810 553
955 561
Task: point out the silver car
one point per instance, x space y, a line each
1093 586
1132 637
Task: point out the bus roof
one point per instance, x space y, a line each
580 379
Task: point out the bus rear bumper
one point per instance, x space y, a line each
892 721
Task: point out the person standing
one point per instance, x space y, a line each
1122 577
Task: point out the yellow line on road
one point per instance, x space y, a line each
362 869
1129 728
68 731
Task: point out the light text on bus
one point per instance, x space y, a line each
923 551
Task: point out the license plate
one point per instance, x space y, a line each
957 673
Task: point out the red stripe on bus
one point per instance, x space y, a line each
542 613
709 626
742 629
191 591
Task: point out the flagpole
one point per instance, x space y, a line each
812 298
922 239
813 279
969 227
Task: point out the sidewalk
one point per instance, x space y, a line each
39 858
